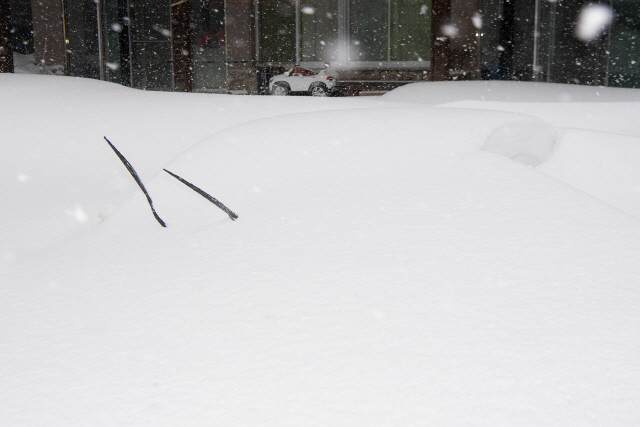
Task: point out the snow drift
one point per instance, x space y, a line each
387 268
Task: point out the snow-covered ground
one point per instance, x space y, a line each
449 254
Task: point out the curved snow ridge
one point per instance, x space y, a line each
603 165
309 116
263 161
615 117
300 126
433 93
528 142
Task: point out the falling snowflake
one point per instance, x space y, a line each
308 10
593 21
450 30
477 20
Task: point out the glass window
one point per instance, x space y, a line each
117 42
149 66
82 39
345 30
150 29
368 23
278 32
410 30
319 28
572 60
208 42
151 20
624 63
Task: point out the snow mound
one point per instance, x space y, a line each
370 259
385 269
314 166
604 165
61 179
432 93
529 142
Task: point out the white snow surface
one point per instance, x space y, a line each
449 254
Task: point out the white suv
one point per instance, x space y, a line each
304 80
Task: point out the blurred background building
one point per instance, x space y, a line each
236 46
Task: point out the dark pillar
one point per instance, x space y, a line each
440 42
181 26
463 48
507 36
6 53
241 70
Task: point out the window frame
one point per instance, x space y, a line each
344 39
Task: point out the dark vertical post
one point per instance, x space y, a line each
240 49
181 30
440 16
463 47
507 35
6 52
101 40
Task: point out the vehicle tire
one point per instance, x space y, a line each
280 89
319 89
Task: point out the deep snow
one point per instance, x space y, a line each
461 263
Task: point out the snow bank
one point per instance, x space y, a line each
529 142
601 109
385 269
597 127
62 179
432 93
606 166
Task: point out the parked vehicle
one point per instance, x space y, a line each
301 80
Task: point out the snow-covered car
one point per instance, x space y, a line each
302 80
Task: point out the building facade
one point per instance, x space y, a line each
234 46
